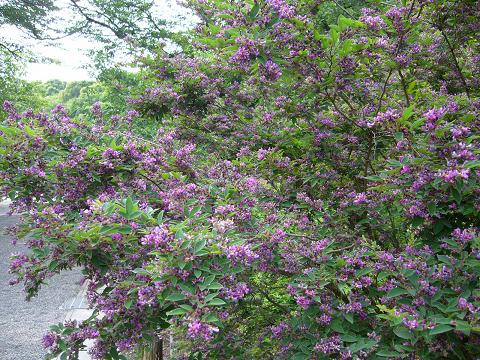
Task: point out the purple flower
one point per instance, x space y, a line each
117 237
241 253
410 324
450 175
157 237
324 319
238 292
303 301
251 184
462 303
97 110
248 50
373 22
197 329
329 345
271 71
284 10
35 171
432 117
278 330
464 236
49 340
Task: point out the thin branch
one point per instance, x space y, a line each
271 300
147 178
404 86
343 9
341 249
383 91
332 100
303 236
369 152
10 51
457 65
117 32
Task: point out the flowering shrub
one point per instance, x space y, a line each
280 191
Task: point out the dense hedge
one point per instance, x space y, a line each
281 190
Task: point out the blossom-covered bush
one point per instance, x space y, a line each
279 190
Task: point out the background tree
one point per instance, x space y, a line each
32 18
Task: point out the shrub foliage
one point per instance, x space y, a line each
278 190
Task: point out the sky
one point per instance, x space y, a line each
71 57
70 53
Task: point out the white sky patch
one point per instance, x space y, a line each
70 54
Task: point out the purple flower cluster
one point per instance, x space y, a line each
157 238
241 254
283 9
200 330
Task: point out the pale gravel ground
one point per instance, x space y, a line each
22 324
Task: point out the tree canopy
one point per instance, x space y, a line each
274 189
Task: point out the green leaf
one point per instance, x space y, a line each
457 195
463 326
396 292
188 288
210 317
178 311
417 123
334 35
473 164
216 302
440 329
129 205
175 297
254 12
362 344
210 296
179 234
387 353
337 326
215 286
383 275
417 221
53 265
186 307
403 333
160 217
344 22
349 338
208 280
124 229
373 178
432 208
141 271
407 113
116 228
301 356
129 303
199 245
444 259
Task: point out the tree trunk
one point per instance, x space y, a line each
156 352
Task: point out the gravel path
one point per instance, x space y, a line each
22 324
